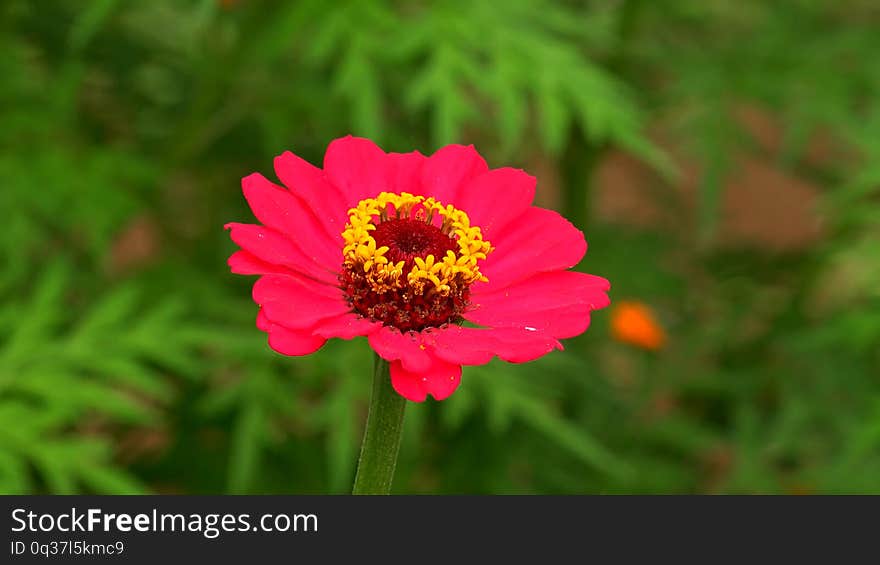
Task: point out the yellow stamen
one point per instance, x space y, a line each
436 273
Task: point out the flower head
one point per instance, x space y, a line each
404 249
634 323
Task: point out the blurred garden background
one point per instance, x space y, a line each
723 159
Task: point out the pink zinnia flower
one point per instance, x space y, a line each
404 249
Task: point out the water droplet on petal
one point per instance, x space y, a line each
531 329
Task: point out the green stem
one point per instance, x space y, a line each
382 436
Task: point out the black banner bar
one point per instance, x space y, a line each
285 529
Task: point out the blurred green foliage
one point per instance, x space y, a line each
129 361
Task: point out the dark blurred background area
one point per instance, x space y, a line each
723 159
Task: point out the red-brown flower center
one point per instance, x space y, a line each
407 239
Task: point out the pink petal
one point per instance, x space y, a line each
439 380
450 169
406 384
305 180
287 341
496 197
404 171
292 342
538 241
549 290
269 246
442 379
243 263
290 215
346 326
393 345
272 288
263 322
556 302
357 167
297 303
477 346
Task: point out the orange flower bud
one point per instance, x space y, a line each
634 323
